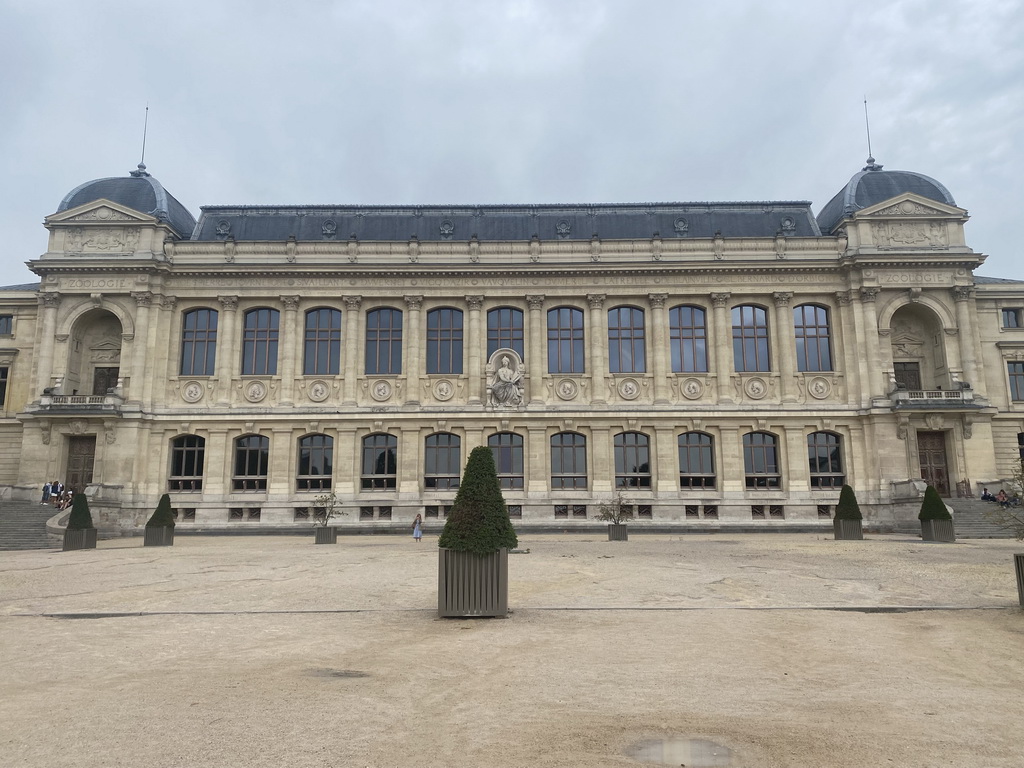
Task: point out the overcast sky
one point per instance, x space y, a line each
515 101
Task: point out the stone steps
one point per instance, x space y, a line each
23 525
971 521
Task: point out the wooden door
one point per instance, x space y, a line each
104 379
907 374
931 447
81 456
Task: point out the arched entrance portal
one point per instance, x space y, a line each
94 362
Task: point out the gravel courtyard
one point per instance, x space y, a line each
752 651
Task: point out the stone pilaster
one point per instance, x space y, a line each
413 352
351 344
137 370
785 344
50 302
476 344
962 295
658 352
290 348
598 343
227 347
721 346
536 357
875 371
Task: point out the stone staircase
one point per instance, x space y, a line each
23 525
971 521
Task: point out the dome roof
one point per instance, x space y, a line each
138 191
873 185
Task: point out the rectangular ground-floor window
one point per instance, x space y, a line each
244 514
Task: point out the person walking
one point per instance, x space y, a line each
417 529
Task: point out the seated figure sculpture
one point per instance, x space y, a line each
505 386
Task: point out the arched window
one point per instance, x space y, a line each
696 460
761 460
444 341
199 342
823 452
813 338
380 462
322 351
316 463
626 340
188 453
632 460
688 339
565 340
383 342
750 339
508 459
568 460
252 460
505 331
259 342
442 461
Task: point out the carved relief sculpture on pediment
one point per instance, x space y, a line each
505 373
910 208
910 234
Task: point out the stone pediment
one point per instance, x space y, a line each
910 206
99 213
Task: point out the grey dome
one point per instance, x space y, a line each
873 185
138 191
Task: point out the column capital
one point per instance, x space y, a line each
49 299
844 298
596 300
228 302
720 300
782 298
657 299
535 301
291 303
475 302
352 302
413 302
962 292
142 298
868 294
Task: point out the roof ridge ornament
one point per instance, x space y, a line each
871 165
140 171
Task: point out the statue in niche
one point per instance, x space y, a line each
506 384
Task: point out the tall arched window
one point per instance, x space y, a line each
252 460
380 462
508 459
199 342
383 342
444 340
761 460
442 461
696 460
316 463
688 339
322 351
823 452
259 342
813 338
565 340
626 340
632 460
568 460
750 339
188 454
505 331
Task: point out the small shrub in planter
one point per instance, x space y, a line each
615 512
160 526
326 507
936 522
848 522
473 556
80 533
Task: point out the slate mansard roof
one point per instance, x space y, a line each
506 222
138 191
873 185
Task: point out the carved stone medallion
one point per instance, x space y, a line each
318 391
380 390
444 390
692 389
192 392
567 389
629 389
756 388
819 388
255 391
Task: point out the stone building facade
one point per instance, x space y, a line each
716 363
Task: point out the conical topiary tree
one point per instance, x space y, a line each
478 521
163 517
848 508
80 518
932 507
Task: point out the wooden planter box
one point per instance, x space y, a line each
1018 565
618 532
471 585
159 536
937 530
325 534
848 530
84 538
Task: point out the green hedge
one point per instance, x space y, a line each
163 517
848 508
478 521
80 518
933 508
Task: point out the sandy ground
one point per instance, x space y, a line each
271 651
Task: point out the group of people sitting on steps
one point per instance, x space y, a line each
57 495
1001 498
